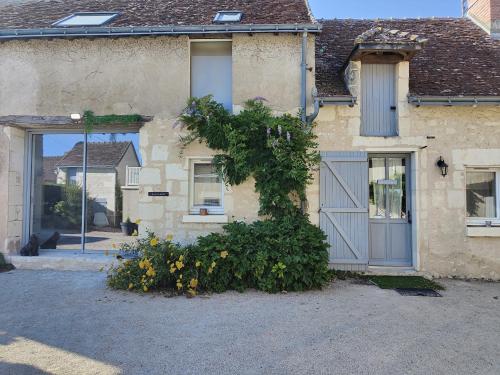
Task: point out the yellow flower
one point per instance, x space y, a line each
179 285
172 269
213 265
224 254
138 221
193 283
181 258
192 292
170 237
141 265
145 288
154 241
130 286
210 269
198 263
135 233
180 276
179 264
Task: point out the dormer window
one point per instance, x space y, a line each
228 17
86 19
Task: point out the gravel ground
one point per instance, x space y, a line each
69 323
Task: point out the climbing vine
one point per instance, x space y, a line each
90 120
279 152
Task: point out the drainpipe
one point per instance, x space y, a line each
317 105
303 65
307 119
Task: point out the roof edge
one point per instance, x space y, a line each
449 101
85 32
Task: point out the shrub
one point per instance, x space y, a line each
272 255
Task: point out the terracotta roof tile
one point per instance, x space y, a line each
457 59
42 13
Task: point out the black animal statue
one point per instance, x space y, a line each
51 242
31 248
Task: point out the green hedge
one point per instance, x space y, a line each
288 254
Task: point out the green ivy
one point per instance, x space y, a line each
279 152
90 120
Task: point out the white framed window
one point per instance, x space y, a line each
482 196
206 188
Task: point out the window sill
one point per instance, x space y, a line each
483 231
208 219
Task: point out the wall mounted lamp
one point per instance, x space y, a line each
443 166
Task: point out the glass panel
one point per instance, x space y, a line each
86 20
207 189
397 188
481 197
56 191
113 170
377 191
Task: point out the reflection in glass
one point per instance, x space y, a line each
397 188
481 197
113 172
207 186
56 192
377 191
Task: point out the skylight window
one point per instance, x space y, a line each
86 19
228 17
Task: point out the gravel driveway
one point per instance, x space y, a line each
69 323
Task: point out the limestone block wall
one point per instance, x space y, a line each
11 190
464 136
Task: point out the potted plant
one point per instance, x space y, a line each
126 227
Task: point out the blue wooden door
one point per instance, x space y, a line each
344 208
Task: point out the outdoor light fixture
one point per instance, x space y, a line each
76 116
443 166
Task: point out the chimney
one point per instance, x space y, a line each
486 14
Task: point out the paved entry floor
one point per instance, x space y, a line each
69 323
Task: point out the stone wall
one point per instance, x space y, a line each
464 136
11 191
151 76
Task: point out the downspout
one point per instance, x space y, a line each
307 119
303 84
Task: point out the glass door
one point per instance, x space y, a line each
389 210
56 190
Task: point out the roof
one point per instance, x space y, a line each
49 168
458 58
99 154
31 14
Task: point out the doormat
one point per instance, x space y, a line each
416 292
405 282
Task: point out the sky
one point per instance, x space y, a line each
385 8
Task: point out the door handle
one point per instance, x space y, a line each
409 217
393 108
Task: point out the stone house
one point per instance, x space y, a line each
407 115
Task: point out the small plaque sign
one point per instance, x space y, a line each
387 182
158 194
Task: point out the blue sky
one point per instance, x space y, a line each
385 8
